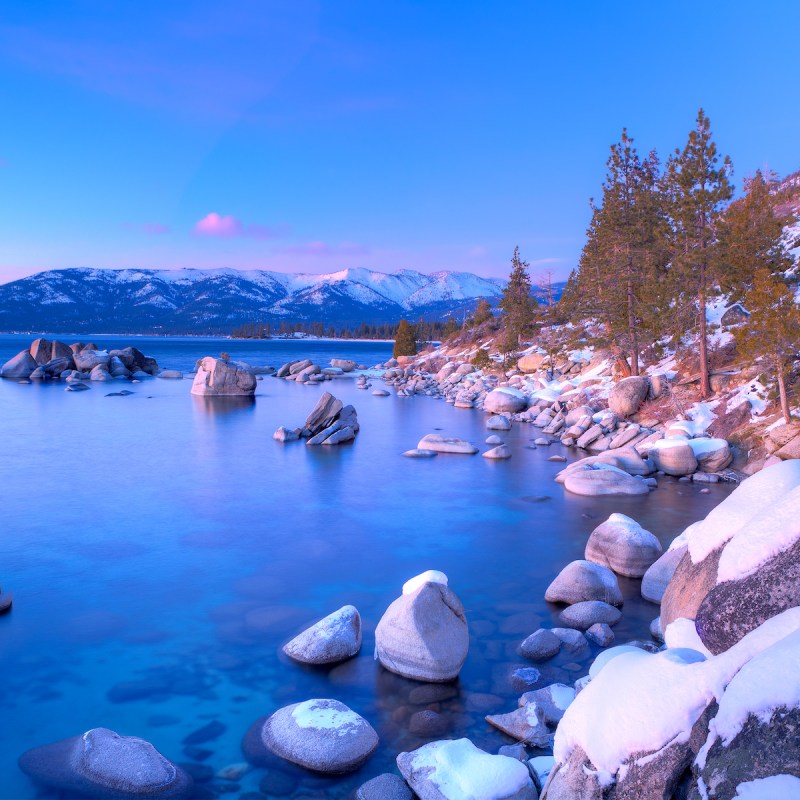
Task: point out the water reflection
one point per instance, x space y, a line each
222 406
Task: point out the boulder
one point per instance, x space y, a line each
100 373
344 364
500 452
299 366
286 434
627 396
324 413
505 401
177 375
423 634
659 574
540 645
86 360
103 764
584 580
531 363
419 453
601 634
218 377
756 731
624 546
499 422
334 638
321 735
674 456
601 479
524 724
588 613
384 787
445 444
21 366
457 770
712 454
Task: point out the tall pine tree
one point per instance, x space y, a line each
517 303
405 343
698 188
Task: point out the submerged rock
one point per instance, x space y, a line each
321 735
335 638
103 764
444 444
384 787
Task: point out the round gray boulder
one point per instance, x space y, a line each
321 735
505 401
588 613
584 580
674 457
624 546
335 638
598 480
627 396
21 366
540 645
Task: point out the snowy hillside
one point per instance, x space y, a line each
217 300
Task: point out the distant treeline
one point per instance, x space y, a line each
426 330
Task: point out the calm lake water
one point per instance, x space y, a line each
161 548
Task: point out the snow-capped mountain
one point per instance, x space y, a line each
217 300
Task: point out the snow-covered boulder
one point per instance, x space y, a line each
423 634
674 456
712 454
446 444
624 546
457 770
499 453
625 458
332 639
638 725
627 396
320 735
755 733
584 580
602 479
101 763
219 377
505 400
742 563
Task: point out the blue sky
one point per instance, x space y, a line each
316 136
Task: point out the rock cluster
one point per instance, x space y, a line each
330 422
306 371
220 377
53 360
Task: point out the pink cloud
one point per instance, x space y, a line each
215 225
150 228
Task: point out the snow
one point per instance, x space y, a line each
461 771
755 392
561 695
641 702
682 634
738 512
580 355
326 715
668 444
429 576
604 656
542 765
765 684
775 787
703 446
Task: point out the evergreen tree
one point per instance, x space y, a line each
697 189
451 329
405 343
517 304
772 332
483 312
751 235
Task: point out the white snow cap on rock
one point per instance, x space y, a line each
683 633
651 700
429 576
775 787
316 714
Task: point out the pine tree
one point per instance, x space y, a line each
483 312
405 343
697 190
517 303
772 332
751 235
451 329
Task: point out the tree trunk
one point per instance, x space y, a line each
705 385
632 333
787 417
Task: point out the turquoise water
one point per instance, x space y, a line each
161 548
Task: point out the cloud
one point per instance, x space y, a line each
150 228
229 227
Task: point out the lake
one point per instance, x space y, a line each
161 548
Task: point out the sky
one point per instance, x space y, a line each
315 136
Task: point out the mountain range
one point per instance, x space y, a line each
83 300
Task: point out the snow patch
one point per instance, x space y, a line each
318 715
775 787
429 576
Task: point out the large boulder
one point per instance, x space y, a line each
627 396
659 574
344 364
674 456
624 546
531 362
602 479
103 764
423 634
446 444
218 377
584 580
87 359
712 454
755 733
505 400
638 725
21 366
458 770
332 639
324 413
321 735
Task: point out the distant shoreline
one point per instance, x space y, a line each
220 337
